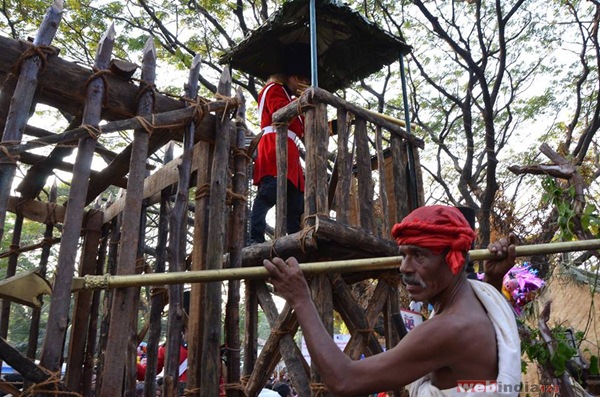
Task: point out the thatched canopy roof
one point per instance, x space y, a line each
349 46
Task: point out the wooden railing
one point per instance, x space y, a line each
320 193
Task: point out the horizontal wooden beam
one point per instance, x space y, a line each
37 211
61 84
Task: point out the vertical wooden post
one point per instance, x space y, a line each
21 102
158 299
344 161
122 331
135 187
89 364
111 268
365 183
392 307
400 178
83 301
322 142
316 139
177 243
237 222
34 330
11 270
282 171
310 199
316 142
251 327
211 359
61 296
383 198
418 175
203 157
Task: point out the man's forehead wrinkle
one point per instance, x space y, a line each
404 248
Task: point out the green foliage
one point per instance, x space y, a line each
594 367
562 199
563 353
537 350
534 348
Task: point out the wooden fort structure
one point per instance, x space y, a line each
203 193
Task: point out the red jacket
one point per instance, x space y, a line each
183 352
266 160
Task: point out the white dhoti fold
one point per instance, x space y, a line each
509 352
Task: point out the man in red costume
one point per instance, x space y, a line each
277 93
471 342
183 353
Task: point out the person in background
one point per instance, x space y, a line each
280 91
283 389
472 335
268 391
183 353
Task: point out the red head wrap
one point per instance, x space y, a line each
437 227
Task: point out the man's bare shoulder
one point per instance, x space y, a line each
444 331
456 328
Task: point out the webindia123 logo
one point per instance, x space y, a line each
492 386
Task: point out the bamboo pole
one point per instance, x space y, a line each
354 265
246 273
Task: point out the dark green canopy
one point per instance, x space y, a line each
349 46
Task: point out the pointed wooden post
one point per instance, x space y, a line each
158 299
61 298
21 103
122 332
211 358
237 229
177 242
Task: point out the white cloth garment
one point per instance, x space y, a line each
268 393
509 352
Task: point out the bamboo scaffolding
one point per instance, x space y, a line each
259 272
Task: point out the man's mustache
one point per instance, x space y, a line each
413 280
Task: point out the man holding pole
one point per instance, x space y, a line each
470 344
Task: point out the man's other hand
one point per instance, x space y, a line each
495 269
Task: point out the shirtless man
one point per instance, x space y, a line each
472 337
